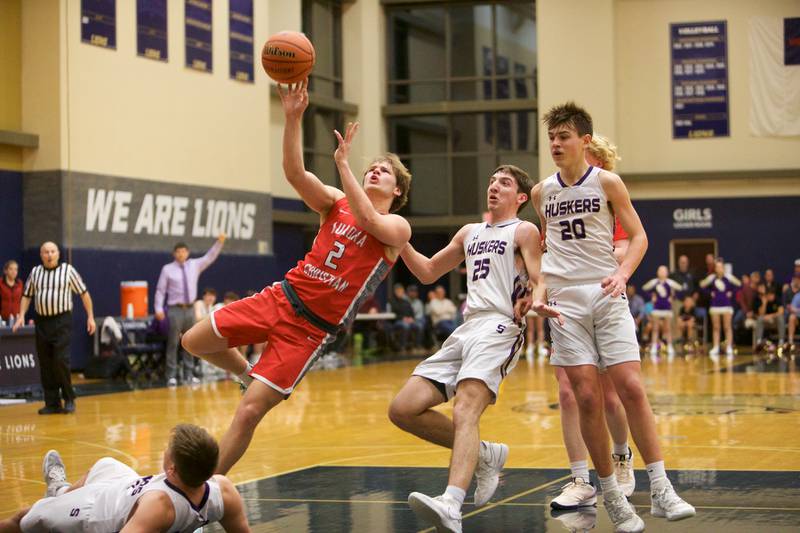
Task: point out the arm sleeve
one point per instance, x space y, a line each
161 291
75 282
211 256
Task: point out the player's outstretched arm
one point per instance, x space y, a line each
316 195
527 239
617 194
234 519
427 270
391 230
154 512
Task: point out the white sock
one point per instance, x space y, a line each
62 489
657 474
456 493
580 469
608 484
621 449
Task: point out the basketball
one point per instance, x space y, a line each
288 57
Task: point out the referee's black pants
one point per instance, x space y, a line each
53 335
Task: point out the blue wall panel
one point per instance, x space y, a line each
11 217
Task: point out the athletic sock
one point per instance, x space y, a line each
458 494
608 484
245 376
657 474
580 469
621 449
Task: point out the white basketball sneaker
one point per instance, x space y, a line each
529 353
577 493
491 459
623 469
442 512
622 513
55 475
665 502
542 350
729 352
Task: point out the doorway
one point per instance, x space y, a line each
695 249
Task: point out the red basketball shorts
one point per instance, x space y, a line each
293 344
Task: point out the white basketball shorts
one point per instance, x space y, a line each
484 348
598 329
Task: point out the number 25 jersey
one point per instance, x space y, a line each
579 231
344 267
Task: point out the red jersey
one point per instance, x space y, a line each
344 267
619 233
10 298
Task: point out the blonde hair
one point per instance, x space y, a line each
604 150
402 178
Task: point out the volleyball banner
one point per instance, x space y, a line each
775 76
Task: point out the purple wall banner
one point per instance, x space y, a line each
791 41
699 80
241 40
151 29
198 35
99 23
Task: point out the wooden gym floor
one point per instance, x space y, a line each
330 460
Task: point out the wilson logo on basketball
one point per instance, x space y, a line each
274 51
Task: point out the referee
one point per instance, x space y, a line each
49 286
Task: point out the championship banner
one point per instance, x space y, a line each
198 35
19 364
151 29
699 80
99 23
241 40
108 212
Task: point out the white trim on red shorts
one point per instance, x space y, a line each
214 324
270 384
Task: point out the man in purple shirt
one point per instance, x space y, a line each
175 294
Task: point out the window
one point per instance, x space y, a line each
322 22
480 58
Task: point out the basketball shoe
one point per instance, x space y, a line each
623 469
442 512
55 475
622 513
577 493
491 459
665 503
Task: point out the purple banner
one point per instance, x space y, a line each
241 40
151 29
19 364
699 80
791 41
99 22
198 35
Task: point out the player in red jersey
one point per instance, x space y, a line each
358 242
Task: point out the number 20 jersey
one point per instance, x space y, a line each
579 231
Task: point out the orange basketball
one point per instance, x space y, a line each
288 56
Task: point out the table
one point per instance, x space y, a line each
144 355
19 363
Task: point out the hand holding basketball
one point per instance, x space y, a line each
294 98
343 151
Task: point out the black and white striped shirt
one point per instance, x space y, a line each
50 288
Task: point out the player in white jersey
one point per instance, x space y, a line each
584 282
113 497
480 353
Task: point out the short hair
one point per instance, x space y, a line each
524 181
9 263
210 290
230 295
398 286
180 245
605 151
402 178
569 114
194 452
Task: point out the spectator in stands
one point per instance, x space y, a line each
710 261
794 317
10 292
687 322
443 313
369 329
770 316
721 287
636 305
404 328
771 284
744 316
789 296
203 306
419 313
685 278
796 272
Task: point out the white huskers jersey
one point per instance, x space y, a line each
494 281
579 231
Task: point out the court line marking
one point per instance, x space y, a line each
711 507
506 500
